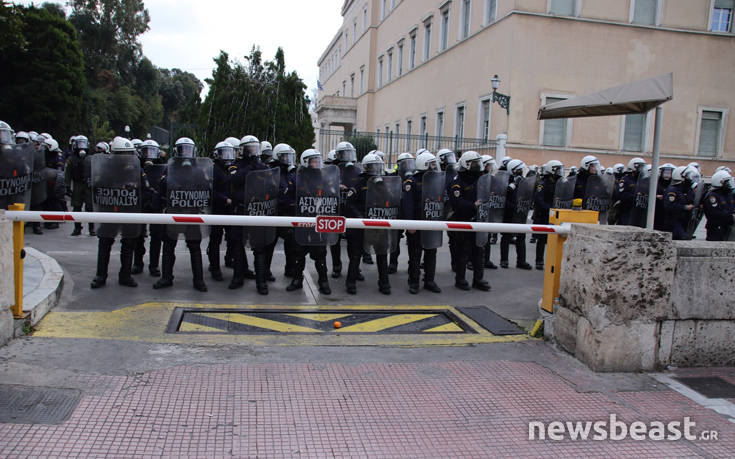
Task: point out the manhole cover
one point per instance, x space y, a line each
710 386
36 405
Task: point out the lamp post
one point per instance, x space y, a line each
501 99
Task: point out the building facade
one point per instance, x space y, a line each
425 67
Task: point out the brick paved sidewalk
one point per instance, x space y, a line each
445 409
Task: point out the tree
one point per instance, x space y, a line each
42 82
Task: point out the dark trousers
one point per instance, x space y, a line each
520 247
540 247
467 250
216 233
126 256
415 250
169 257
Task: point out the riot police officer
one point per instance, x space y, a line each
55 183
543 200
76 179
266 153
625 191
224 157
185 173
665 172
346 160
463 198
679 201
284 157
590 166
489 168
412 208
719 207
116 187
515 169
405 167
153 172
319 186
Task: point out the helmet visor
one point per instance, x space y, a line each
432 165
315 162
408 164
449 158
226 153
186 151
82 144
374 168
6 137
475 165
666 173
347 156
558 171
150 152
251 150
286 158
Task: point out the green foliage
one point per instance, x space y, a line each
42 82
363 145
257 98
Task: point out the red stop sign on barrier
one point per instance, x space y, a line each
330 224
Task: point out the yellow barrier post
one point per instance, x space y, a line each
18 255
555 251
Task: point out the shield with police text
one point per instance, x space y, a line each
116 188
261 199
432 206
639 213
697 213
498 191
564 193
483 211
39 187
349 178
317 194
16 173
524 199
597 197
188 190
382 202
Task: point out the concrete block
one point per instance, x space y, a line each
6 279
629 347
704 281
703 343
665 342
565 329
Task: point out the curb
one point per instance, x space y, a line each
44 297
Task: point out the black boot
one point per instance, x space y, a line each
393 265
139 254
297 283
367 258
321 270
126 260
167 265
103 260
461 270
352 271
383 279
488 264
335 250
77 229
37 228
430 271
521 252
214 269
154 256
504 248
261 283
414 272
247 272
197 267
92 232
268 259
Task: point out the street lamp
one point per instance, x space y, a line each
501 99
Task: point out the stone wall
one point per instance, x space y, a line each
6 279
632 300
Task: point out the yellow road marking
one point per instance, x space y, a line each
267 324
385 322
189 327
446 328
319 317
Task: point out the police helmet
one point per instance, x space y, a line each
150 149
345 152
121 145
331 157
588 162
555 167
185 148
249 146
372 164
720 179
516 167
22 137
311 158
636 164
426 161
447 156
470 161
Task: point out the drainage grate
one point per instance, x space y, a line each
710 386
36 405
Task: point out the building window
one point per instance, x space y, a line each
491 11
634 134
427 41
362 79
422 126
722 15
400 58
412 52
380 72
344 88
555 131
644 11
390 65
439 123
466 10
409 124
388 136
459 122
383 9
710 133
347 40
354 32
397 131
444 31
352 85
364 18
485 120
562 7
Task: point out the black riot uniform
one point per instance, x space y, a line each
543 200
519 239
411 209
679 202
659 218
56 185
76 177
719 208
153 172
235 234
625 194
286 207
221 205
463 198
349 180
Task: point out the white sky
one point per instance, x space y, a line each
188 34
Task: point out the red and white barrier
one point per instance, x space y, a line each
296 222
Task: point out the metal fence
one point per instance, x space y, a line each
393 144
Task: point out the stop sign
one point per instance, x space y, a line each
330 224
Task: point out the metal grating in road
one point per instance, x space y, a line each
36 405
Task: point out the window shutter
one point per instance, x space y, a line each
635 126
709 133
562 7
555 131
645 12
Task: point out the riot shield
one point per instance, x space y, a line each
597 197
698 212
349 178
406 167
432 206
188 191
261 199
39 190
382 202
482 213
16 174
498 190
524 199
564 193
317 193
639 213
116 188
